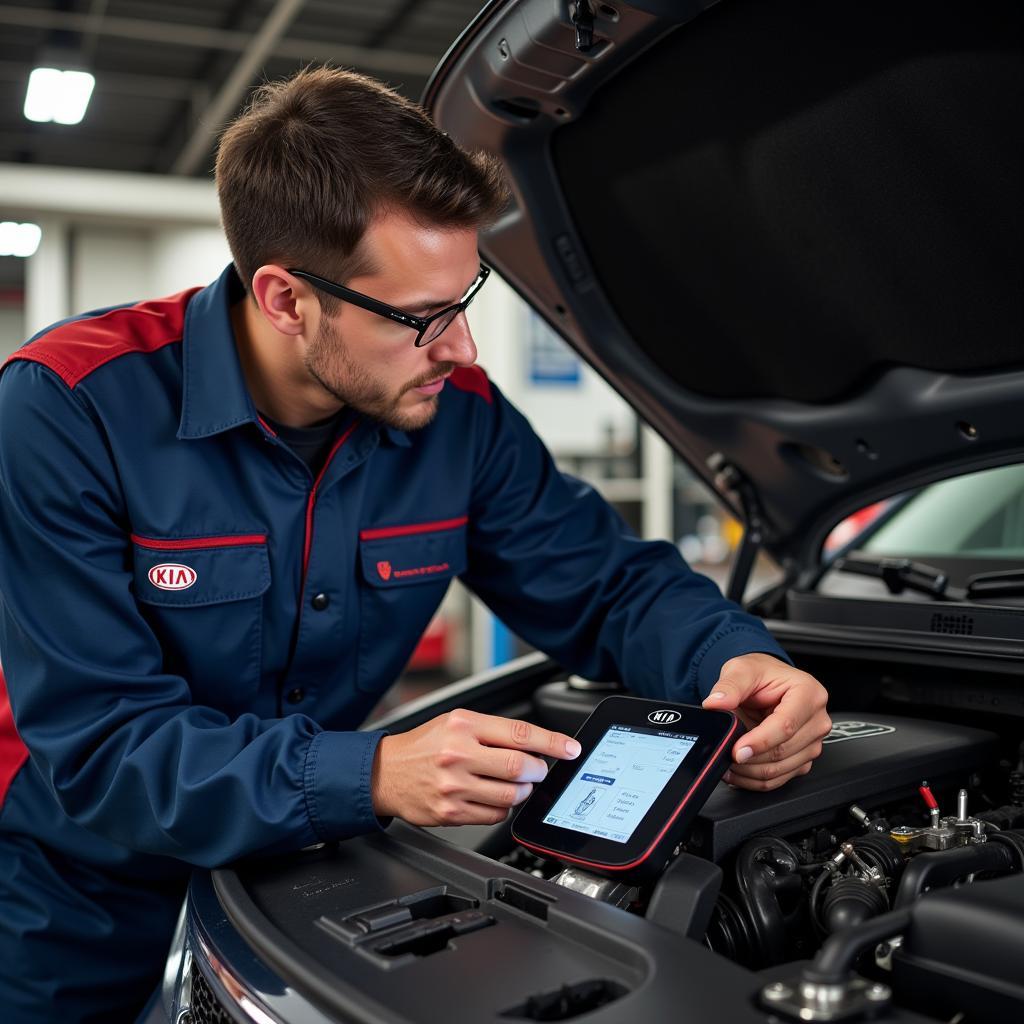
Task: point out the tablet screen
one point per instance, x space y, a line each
620 780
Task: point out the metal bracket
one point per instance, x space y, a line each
734 485
809 1001
605 890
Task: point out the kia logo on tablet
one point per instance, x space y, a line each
664 717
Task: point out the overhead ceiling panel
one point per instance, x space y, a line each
161 67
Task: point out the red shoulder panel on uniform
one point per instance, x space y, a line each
73 350
472 378
13 753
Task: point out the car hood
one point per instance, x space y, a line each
789 234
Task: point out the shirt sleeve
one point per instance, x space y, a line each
121 745
559 566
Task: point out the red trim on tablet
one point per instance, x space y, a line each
658 837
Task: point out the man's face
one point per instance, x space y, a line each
372 364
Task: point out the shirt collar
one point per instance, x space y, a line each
214 394
395 436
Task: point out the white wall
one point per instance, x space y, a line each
109 266
80 267
115 265
184 257
12 330
572 418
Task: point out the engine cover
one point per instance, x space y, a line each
866 760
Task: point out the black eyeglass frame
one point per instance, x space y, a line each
420 324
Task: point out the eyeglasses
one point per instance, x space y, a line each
428 328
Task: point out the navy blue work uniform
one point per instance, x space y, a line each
191 624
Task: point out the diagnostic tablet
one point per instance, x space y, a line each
621 807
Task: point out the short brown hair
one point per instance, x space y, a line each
301 173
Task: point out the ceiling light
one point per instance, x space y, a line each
60 96
19 239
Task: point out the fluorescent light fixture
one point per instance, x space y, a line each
60 96
19 239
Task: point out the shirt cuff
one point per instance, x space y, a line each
336 782
707 666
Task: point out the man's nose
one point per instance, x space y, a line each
456 345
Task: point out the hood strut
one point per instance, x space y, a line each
582 18
732 484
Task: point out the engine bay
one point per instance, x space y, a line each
885 884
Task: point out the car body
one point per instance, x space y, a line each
789 234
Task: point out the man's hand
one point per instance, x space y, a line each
462 768
783 708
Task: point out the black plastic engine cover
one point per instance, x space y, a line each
402 927
865 761
963 952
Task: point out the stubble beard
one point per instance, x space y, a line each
329 363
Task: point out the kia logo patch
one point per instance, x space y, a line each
384 568
664 717
171 576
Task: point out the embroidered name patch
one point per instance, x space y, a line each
385 570
172 576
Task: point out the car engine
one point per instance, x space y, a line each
895 807
887 884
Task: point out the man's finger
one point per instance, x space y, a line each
763 785
492 793
494 731
506 765
795 709
729 692
465 812
766 771
811 732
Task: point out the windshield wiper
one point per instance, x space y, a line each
1005 583
899 574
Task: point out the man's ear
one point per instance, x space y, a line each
286 303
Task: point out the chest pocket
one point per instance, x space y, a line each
405 572
203 598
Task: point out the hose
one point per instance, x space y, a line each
941 867
765 867
819 925
836 958
1013 840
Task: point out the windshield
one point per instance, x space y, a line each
980 515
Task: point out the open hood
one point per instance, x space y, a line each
789 233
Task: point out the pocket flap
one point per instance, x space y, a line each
415 558
197 571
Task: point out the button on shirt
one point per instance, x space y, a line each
192 623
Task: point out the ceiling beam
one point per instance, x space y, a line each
31 190
175 34
225 103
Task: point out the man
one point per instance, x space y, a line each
227 516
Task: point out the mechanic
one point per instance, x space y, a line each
227 516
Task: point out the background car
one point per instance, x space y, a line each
789 234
